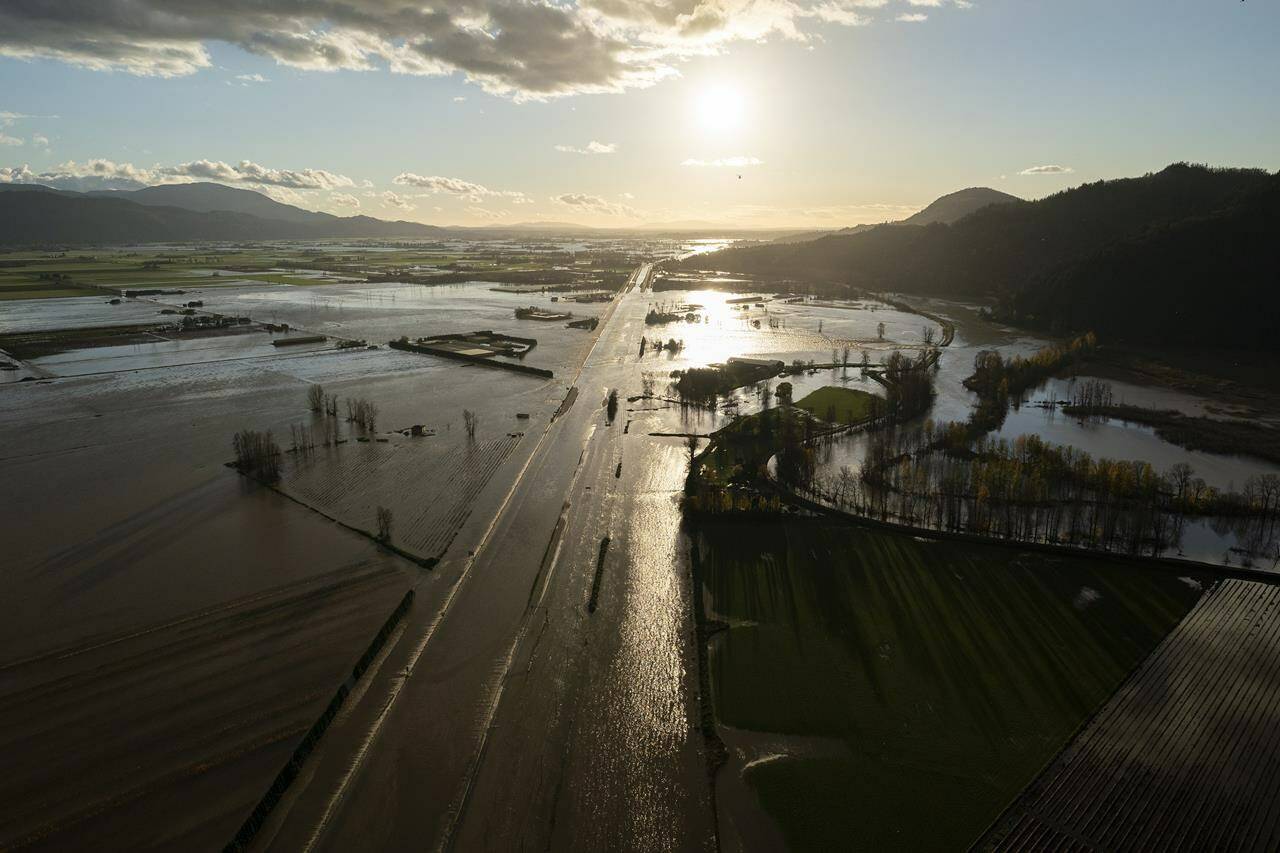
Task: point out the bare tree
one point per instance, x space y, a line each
257 454
928 335
470 421
315 398
384 524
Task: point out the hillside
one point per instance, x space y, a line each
33 214
955 206
1097 256
947 208
1210 279
205 197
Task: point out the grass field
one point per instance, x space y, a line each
838 405
939 678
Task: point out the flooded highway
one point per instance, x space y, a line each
509 714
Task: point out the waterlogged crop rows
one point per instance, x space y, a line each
886 692
429 488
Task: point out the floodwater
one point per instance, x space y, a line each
504 678
226 614
1115 439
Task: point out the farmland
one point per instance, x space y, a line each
886 692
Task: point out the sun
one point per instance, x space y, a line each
720 108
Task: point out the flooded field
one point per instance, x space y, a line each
559 610
882 692
138 565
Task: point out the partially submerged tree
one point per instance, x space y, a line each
315 398
384 524
257 454
362 412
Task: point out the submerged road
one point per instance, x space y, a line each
509 713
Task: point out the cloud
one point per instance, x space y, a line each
1047 170
40 140
595 204
16 175
724 162
912 18
250 79
845 12
591 147
466 190
248 172
459 99
391 199
6 139
522 49
344 200
106 174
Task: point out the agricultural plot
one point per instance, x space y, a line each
882 692
1184 754
429 487
165 735
838 405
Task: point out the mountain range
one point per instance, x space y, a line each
34 214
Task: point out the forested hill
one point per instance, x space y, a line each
1206 280
1036 253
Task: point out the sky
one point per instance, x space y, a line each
621 113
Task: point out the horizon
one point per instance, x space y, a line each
758 119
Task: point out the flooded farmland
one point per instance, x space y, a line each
549 558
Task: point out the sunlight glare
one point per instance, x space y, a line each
720 108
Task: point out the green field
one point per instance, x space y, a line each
838 405
938 677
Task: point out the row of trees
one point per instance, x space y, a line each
993 374
1033 491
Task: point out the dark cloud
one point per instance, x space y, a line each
519 48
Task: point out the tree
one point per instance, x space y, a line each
611 407
928 335
880 330
315 398
691 444
257 454
384 524
1179 477
470 420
